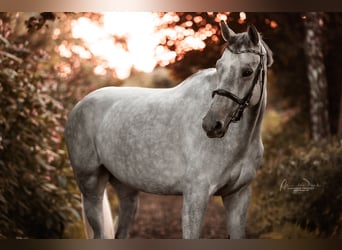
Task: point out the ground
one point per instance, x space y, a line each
159 217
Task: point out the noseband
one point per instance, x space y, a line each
243 102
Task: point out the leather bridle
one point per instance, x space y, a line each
243 102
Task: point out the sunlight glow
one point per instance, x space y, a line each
243 16
136 29
100 70
130 40
56 33
81 51
64 51
221 17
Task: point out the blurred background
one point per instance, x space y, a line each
49 61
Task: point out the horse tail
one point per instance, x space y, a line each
107 219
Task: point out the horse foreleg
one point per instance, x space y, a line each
194 207
128 201
236 205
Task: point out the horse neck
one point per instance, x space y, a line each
251 126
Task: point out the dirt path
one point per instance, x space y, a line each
160 217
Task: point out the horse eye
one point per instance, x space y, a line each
247 72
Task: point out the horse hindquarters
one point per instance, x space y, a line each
90 175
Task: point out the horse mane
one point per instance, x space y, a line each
269 53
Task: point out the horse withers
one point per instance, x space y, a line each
198 139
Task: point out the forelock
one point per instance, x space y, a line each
240 42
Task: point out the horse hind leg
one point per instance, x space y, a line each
95 203
128 202
108 223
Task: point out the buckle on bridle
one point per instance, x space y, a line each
237 115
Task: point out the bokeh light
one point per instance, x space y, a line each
132 40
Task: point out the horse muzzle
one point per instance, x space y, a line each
214 128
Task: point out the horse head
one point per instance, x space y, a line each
240 76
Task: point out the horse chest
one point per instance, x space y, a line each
241 172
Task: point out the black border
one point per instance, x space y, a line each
169 244
170 5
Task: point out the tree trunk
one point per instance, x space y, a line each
339 125
320 128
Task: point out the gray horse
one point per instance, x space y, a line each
172 141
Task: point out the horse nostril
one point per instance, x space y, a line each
218 125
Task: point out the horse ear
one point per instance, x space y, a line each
227 33
253 34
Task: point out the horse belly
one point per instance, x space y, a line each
155 175
141 151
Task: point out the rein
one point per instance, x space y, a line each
243 102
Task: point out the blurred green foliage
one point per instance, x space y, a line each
35 181
276 210
38 194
